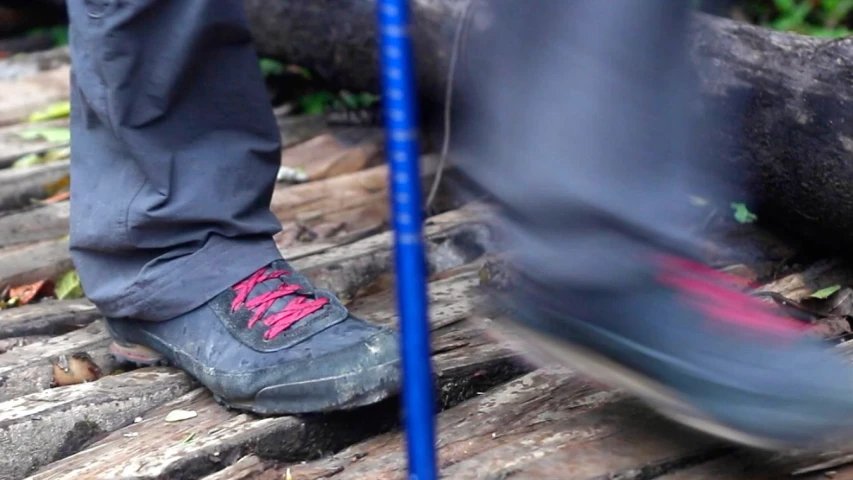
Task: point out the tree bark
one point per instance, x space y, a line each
785 99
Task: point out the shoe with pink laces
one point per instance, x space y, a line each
699 350
271 344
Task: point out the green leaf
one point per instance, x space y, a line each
50 155
824 293
742 214
316 103
270 67
367 99
57 110
50 134
27 161
349 99
68 286
301 71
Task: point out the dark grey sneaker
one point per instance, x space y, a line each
271 344
699 350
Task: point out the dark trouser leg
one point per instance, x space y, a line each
576 114
175 152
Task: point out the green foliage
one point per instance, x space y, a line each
59 34
270 67
823 18
742 214
825 293
323 101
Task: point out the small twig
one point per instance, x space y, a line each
448 97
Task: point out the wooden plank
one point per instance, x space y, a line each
51 258
18 66
335 153
330 154
45 260
20 186
44 222
24 95
295 129
549 413
48 317
248 467
13 146
219 437
55 423
292 202
31 368
344 270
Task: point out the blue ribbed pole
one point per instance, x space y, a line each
401 120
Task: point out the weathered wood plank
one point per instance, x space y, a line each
25 65
51 258
344 270
335 153
30 369
20 186
24 95
248 467
293 202
44 222
48 317
45 260
546 414
220 437
53 424
13 146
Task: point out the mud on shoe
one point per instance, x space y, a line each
271 344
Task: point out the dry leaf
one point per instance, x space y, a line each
180 415
27 293
78 368
60 185
59 197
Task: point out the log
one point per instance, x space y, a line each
785 98
548 414
22 96
23 65
13 146
19 187
43 222
153 449
55 423
48 317
345 270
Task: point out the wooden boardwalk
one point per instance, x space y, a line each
68 410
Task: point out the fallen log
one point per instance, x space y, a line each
785 98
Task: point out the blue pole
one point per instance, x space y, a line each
401 120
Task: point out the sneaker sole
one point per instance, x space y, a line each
372 387
658 396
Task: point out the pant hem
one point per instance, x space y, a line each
193 280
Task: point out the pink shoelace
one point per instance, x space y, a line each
706 288
295 310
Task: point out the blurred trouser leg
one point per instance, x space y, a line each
575 114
